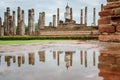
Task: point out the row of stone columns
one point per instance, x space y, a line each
8 28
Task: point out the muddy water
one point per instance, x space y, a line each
59 61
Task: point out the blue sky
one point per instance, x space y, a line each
50 7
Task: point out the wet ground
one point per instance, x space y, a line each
75 60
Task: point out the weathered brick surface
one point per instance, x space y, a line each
107 13
109 21
105 20
106 28
118 28
114 38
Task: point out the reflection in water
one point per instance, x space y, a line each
41 56
109 64
85 58
68 58
31 58
94 59
81 57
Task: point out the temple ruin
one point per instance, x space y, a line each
109 22
8 26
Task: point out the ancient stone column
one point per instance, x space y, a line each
81 17
0 25
19 22
58 16
8 14
101 7
31 25
41 20
22 23
11 28
71 14
5 23
50 24
85 16
14 24
54 20
94 16
43 17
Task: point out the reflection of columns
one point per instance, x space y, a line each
14 59
54 54
81 17
58 16
94 16
58 58
85 16
68 59
31 58
19 61
23 59
54 20
71 14
85 58
14 26
94 59
81 56
41 56
7 59
101 7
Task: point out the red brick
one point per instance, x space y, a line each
118 28
107 13
106 28
117 11
114 38
111 6
105 20
107 59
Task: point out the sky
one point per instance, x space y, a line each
50 8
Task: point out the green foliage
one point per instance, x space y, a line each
49 38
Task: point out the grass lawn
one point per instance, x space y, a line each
11 42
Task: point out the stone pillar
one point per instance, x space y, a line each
5 23
81 17
50 24
58 16
94 16
8 14
14 24
71 14
41 20
101 7
109 22
11 28
31 25
19 27
43 17
22 23
85 16
54 20
0 26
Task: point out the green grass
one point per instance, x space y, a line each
12 42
